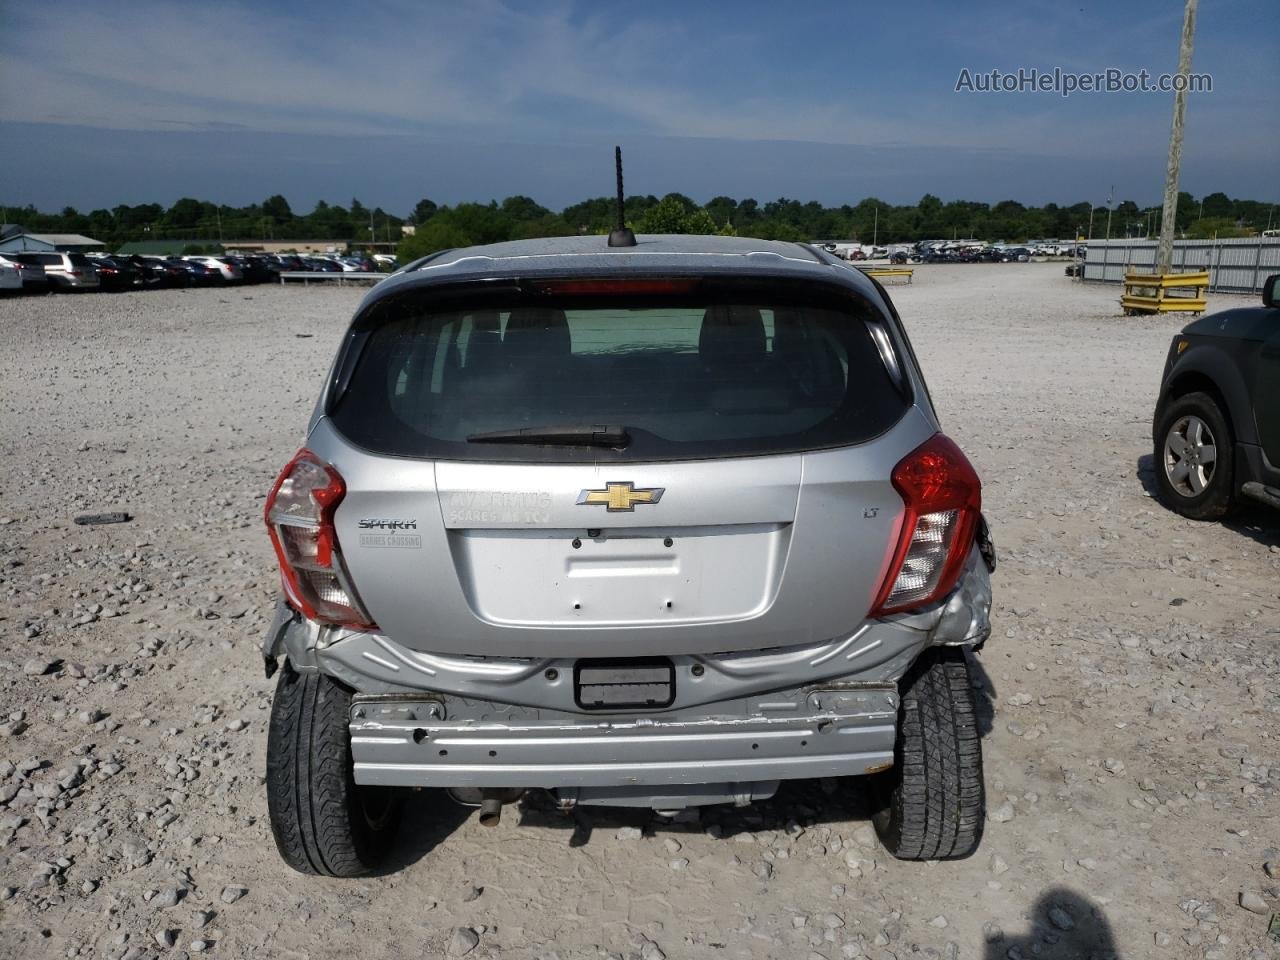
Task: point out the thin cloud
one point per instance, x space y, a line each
493 72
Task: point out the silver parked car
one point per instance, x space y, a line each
30 275
659 526
63 271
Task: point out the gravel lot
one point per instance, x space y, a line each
1131 683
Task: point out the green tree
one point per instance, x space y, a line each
429 238
478 222
667 217
1219 227
522 208
277 208
590 216
676 213
748 212
547 226
700 221
776 230
1218 205
722 209
186 212
423 210
1188 210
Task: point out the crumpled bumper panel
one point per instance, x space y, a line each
836 732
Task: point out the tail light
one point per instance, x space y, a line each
943 498
299 515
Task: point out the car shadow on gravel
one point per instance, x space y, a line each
1146 470
1063 924
1252 520
1258 523
430 818
830 801
984 694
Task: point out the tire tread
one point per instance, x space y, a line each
933 801
312 800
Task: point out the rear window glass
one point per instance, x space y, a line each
685 381
78 259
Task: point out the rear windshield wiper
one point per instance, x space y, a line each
573 435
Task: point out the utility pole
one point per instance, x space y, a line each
1110 197
1164 255
875 226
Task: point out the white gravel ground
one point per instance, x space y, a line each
1132 681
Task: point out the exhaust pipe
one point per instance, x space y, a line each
490 807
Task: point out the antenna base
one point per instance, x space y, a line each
622 237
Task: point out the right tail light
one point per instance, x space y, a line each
299 515
943 499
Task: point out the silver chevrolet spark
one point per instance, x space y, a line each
656 526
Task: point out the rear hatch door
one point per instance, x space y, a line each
749 507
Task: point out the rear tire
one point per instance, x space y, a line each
932 804
322 821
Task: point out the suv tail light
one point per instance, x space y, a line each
299 515
943 498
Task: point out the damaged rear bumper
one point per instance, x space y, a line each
840 731
734 721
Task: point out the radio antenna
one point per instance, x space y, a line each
621 235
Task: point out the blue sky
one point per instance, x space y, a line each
391 101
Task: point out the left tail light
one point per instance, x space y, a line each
299 516
943 499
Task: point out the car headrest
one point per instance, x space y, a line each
730 335
788 331
540 331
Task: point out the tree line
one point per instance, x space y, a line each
437 227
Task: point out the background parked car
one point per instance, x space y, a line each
288 261
223 266
66 271
10 279
1216 428
34 279
115 273
256 269
171 273
321 265
199 272
153 275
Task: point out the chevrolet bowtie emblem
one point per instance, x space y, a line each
621 497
